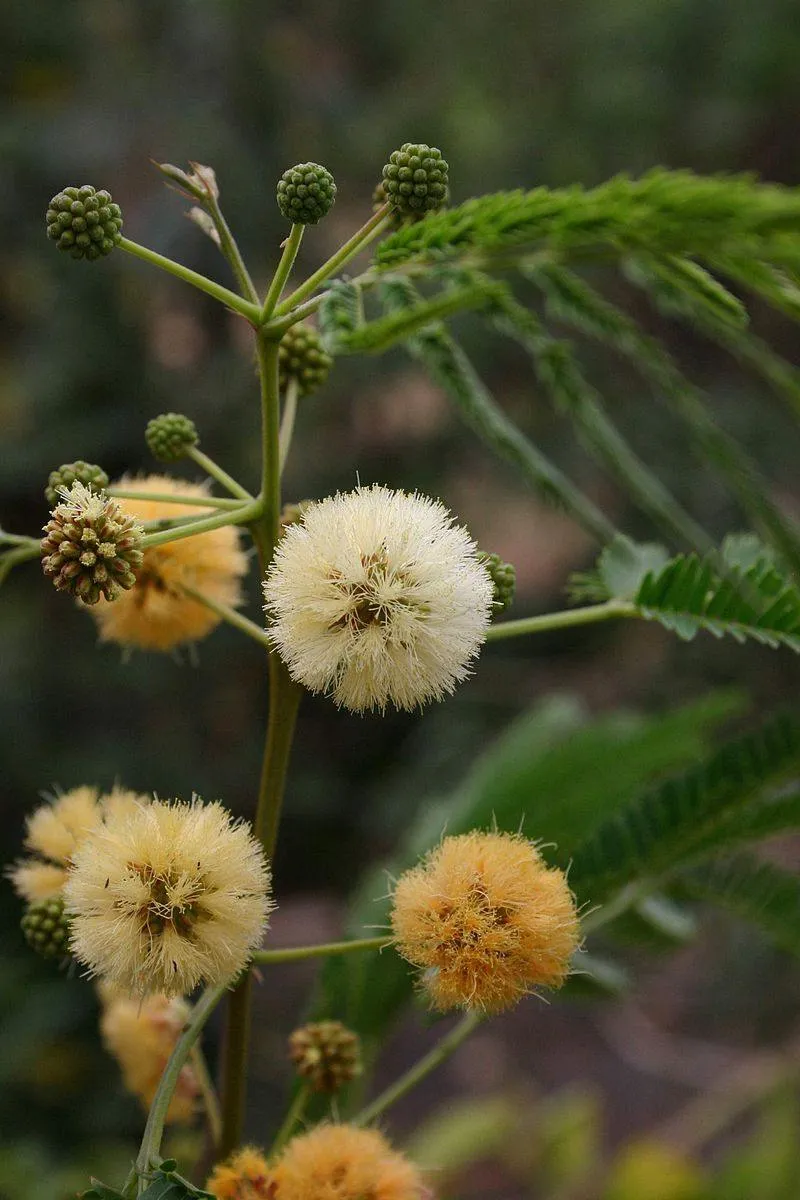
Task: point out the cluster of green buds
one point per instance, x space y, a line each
504 578
171 436
306 193
90 474
84 222
327 1054
415 179
91 548
302 358
46 928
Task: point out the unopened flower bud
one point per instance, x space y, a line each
504 578
327 1054
84 222
91 548
46 928
306 193
301 357
415 179
170 436
75 472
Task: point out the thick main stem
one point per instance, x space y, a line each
284 700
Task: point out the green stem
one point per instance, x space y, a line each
267 351
361 238
189 528
562 620
290 248
229 247
216 472
19 539
244 307
287 422
606 913
12 558
236 1043
208 1093
296 953
167 498
237 619
440 1052
154 1129
284 701
296 1110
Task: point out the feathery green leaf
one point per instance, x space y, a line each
758 891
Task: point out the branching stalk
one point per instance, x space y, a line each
238 304
324 950
360 239
589 615
290 248
287 421
216 472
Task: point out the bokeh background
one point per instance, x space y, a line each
516 93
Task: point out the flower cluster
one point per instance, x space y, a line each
487 921
331 1162
167 896
378 597
91 547
157 614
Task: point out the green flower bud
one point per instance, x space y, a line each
75 472
504 578
170 436
46 928
415 179
91 548
306 193
84 222
327 1054
301 357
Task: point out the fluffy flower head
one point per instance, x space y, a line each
486 919
156 614
54 832
141 1035
340 1162
243 1176
167 896
377 597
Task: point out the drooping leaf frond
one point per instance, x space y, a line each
449 366
573 300
669 212
758 891
688 817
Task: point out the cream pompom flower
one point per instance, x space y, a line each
377 597
156 614
168 896
54 832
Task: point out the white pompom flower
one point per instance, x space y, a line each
376 597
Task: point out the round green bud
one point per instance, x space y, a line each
84 222
504 578
170 436
415 179
306 193
46 928
75 472
301 357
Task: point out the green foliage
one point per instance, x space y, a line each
553 768
373 337
758 891
674 212
449 366
167 1184
689 816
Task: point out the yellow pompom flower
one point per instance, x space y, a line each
378 597
243 1176
487 920
168 896
340 1162
141 1034
54 832
156 614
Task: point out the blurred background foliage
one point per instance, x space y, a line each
516 93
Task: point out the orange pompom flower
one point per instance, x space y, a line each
243 1176
487 920
141 1034
156 614
340 1162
